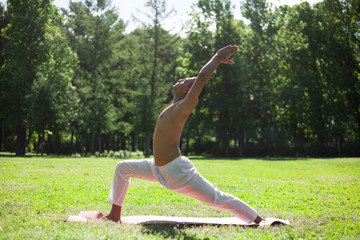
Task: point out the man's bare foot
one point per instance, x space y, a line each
114 215
258 220
111 218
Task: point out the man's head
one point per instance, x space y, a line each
183 86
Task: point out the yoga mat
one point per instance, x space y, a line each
85 216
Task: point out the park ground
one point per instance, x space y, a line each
320 197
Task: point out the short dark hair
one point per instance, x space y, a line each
203 91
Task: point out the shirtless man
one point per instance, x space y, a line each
168 167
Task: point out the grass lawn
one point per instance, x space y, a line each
320 197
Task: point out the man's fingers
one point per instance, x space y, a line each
227 52
234 48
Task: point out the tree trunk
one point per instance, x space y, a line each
86 142
123 141
57 141
117 141
133 140
112 141
92 146
72 141
38 144
147 145
20 139
48 150
339 146
225 131
99 142
1 136
227 144
42 143
241 143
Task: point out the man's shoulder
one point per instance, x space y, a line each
174 107
173 112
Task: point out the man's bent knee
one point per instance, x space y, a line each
122 169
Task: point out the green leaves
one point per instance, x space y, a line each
32 62
289 86
294 87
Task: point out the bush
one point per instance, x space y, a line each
140 154
117 155
123 154
105 153
126 154
111 154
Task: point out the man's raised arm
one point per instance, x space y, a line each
222 56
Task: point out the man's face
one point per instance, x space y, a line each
184 83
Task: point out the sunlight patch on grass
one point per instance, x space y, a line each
319 196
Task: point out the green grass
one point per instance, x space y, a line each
319 196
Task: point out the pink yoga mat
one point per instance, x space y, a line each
85 216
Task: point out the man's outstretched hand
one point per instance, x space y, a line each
225 53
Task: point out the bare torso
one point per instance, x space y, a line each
167 134
171 121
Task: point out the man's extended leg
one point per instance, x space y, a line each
187 180
202 190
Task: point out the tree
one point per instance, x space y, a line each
225 81
4 21
201 44
261 69
232 109
341 19
24 53
318 96
53 98
159 64
89 28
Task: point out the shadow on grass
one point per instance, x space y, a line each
168 231
33 155
283 159
208 157
177 231
29 155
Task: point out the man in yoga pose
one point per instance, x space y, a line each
168 167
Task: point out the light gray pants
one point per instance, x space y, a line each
180 175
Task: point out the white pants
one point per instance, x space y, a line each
180 175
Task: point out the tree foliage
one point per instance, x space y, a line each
78 82
29 51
